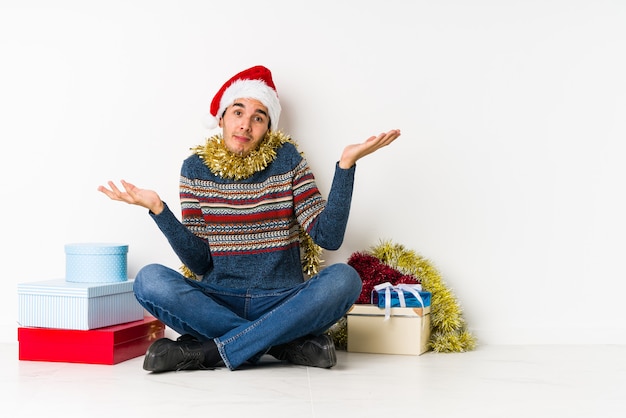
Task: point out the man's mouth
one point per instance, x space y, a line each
241 138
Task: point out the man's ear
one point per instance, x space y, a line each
219 123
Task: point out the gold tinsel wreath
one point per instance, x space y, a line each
227 165
449 329
449 333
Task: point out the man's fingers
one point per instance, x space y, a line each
114 188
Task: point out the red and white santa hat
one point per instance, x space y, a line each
253 83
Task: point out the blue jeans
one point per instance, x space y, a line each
246 323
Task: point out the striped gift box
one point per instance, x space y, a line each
68 305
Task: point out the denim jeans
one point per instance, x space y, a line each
245 323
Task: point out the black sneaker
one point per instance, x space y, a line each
310 351
165 355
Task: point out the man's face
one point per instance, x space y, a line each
244 125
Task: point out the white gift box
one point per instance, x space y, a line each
405 331
68 305
96 262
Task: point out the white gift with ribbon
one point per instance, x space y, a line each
399 289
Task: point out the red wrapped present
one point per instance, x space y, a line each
107 345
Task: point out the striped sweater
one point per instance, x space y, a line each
245 234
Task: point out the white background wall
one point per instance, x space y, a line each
509 174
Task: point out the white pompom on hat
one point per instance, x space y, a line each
254 83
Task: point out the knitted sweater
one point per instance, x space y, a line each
245 234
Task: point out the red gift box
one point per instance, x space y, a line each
107 345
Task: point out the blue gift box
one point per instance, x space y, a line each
410 299
96 262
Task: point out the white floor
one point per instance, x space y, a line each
492 381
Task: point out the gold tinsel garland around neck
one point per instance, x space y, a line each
226 164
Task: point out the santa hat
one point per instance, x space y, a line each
253 83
